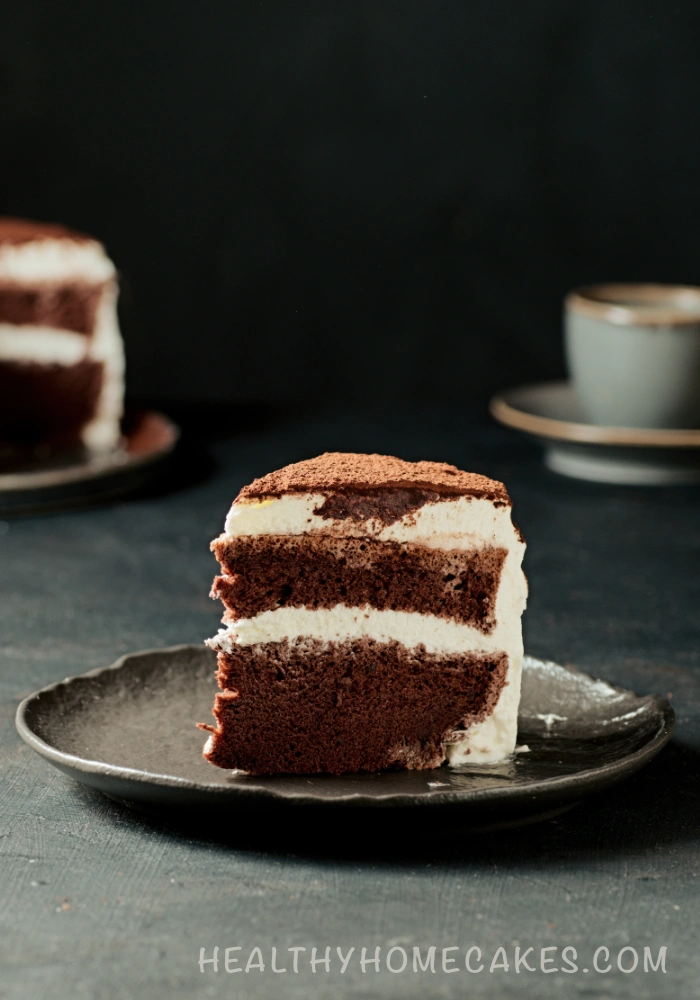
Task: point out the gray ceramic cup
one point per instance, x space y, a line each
633 353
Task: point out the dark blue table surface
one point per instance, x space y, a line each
101 902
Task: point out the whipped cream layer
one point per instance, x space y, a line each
449 523
342 623
42 345
55 259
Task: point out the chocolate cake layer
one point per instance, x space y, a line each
387 506
62 306
310 707
340 472
47 403
264 572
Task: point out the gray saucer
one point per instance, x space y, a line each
129 730
550 413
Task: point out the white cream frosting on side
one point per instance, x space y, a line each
494 738
104 432
55 259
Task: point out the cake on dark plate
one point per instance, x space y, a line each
61 355
373 619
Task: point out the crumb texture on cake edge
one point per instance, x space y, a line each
265 572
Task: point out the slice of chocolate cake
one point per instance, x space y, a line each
61 355
372 619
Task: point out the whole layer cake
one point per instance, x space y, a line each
372 619
61 355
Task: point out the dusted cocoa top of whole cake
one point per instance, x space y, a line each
17 231
346 472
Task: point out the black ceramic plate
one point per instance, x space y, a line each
129 730
67 482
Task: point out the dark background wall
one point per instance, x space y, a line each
359 199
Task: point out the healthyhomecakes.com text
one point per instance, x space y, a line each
431 960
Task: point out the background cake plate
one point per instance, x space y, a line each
149 440
550 413
129 731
